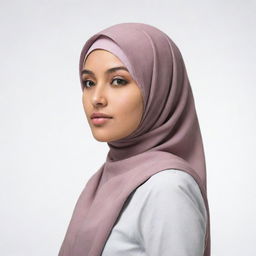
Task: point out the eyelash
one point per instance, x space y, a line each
124 82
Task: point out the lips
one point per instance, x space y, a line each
100 120
100 115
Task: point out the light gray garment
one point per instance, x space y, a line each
165 216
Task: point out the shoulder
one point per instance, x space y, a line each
170 191
172 216
170 181
172 177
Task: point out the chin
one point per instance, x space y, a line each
106 138
102 138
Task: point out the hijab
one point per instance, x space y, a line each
168 136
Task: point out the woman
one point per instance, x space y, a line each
149 197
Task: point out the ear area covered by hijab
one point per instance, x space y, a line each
168 136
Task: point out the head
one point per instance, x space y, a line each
113 92
154 110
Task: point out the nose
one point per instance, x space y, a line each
99 97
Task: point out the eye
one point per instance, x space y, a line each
85 83
120 81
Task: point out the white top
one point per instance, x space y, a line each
165 216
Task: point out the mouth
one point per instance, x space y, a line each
100 120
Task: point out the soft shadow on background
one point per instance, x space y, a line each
47 152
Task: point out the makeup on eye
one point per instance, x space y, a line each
122 80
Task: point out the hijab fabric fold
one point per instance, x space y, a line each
168 136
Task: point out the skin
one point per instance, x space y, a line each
106 93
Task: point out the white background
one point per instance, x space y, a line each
47 150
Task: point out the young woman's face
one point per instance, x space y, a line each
113 93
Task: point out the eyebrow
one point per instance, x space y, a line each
111 70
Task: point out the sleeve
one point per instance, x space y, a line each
173 217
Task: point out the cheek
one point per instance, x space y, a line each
129 105
86 105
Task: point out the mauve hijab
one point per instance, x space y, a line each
168 135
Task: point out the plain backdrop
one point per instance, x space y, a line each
47 150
